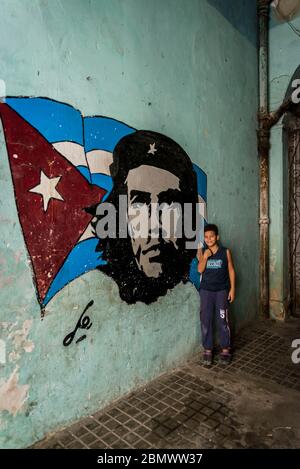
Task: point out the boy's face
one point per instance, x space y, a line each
210 238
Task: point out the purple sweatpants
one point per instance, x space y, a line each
214 303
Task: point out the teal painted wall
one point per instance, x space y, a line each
284 59
185 69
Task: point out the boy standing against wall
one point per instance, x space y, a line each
217 290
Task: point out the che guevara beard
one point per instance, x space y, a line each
133 284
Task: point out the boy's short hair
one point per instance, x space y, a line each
211 227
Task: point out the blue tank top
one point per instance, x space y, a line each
216 276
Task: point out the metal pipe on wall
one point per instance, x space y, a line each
263 143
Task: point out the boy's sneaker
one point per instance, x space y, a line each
225 358
207 358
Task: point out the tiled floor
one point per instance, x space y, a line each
178 410
265 351
183 410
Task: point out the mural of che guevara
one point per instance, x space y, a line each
65 167
149 168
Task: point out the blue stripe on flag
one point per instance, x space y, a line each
57 122
194 275
81 259
201 181
104 181
103 133
85 172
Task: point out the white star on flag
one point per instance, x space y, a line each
152 149
47 189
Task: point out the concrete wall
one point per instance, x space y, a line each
284 60
186 69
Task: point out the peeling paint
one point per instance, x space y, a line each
7 325
19 338
12 395
273 259
14 357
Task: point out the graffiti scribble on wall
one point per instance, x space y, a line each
83 322
64 166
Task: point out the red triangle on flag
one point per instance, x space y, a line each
51 197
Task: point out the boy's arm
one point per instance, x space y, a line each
231 271
202 259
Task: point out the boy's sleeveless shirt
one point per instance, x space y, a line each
216 276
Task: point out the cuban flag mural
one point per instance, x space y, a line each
59 163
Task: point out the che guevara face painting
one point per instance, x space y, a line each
157 178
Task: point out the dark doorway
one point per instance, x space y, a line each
291 198
293 143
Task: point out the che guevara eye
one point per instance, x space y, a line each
170 205
138 199
137 205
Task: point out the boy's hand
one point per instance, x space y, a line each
231 295
207 253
